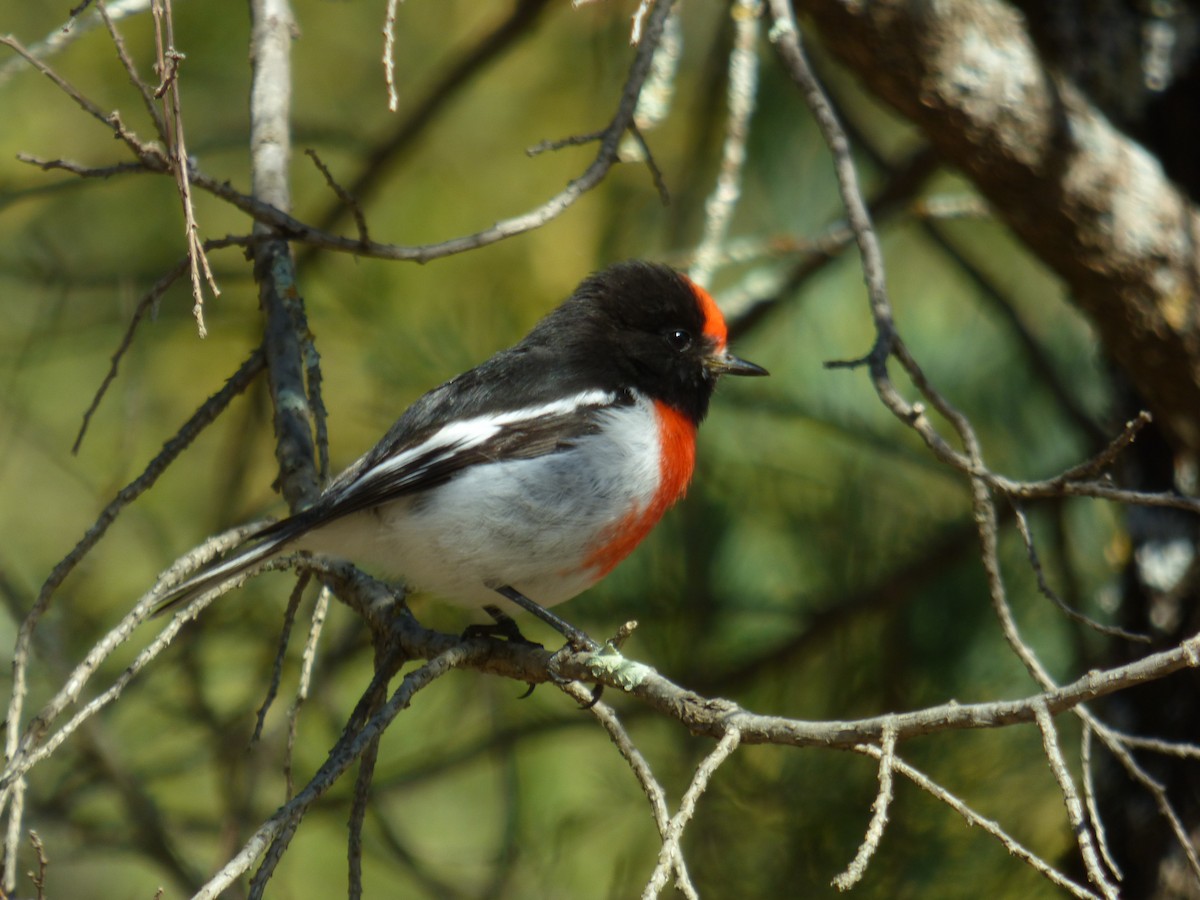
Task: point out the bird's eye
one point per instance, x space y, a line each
678 339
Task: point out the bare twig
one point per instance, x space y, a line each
285 633
1181 749
148 302
146 92
36 744
389 54
386 665
146 154
348 749
982 481
358 812
942 207
66 165
167 68
879 817
1011 844
66 34
786 36
1152 787
1089 799
549 145
350 201
199 420
710 716
647 156
304 683
39 877
606 157
654 792
1075 811
1089 201
381 157
687 808
1050 594
743 84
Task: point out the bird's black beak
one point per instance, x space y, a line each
725 363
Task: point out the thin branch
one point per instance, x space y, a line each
646 156
1075 810
654 792
358 812
1089 201
687 808
145 153
169 60
926 208
199 420
743 85
386 666
1089 799
711 716
66 165
285 633
1155 789
147 94
1011 844
887 343
438 98
344 754
1050 594
36 744
1180 749
368 705
148 301
304 683
348 199
39 877
64 35
879 817
389 54
786 36
606 157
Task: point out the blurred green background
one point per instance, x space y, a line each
822 566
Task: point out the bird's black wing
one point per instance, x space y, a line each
437 457
409 460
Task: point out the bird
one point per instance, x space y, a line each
532 475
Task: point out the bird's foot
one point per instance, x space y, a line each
502 627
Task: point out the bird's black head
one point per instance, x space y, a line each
645 326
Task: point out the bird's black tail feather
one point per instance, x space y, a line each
269 543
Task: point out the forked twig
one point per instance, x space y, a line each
687 808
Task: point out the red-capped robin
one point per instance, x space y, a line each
532 475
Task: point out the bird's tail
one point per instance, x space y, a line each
269 543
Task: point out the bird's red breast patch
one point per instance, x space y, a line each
677 460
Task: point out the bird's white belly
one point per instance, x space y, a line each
531 524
